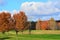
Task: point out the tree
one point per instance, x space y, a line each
52 24
44 25
38 25
11 24
58 25
41 25
20 20
4 20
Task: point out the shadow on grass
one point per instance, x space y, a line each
5 38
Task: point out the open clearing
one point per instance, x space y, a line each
35 35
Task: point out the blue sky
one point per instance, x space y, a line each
34 9
14 4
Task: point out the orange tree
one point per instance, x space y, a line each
20 21
4 20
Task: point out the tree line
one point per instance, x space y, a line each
47 25
18 22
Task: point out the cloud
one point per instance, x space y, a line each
42 8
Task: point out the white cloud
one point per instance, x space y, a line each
40 7
4 11
14 11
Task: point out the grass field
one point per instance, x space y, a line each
44 35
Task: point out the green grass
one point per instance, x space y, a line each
12 36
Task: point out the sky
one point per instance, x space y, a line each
34 9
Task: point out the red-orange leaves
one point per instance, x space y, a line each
20 19
4 21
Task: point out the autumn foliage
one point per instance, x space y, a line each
20 20
41 25
52 24
38 25
46 25
4 21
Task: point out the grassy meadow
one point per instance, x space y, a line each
35 35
